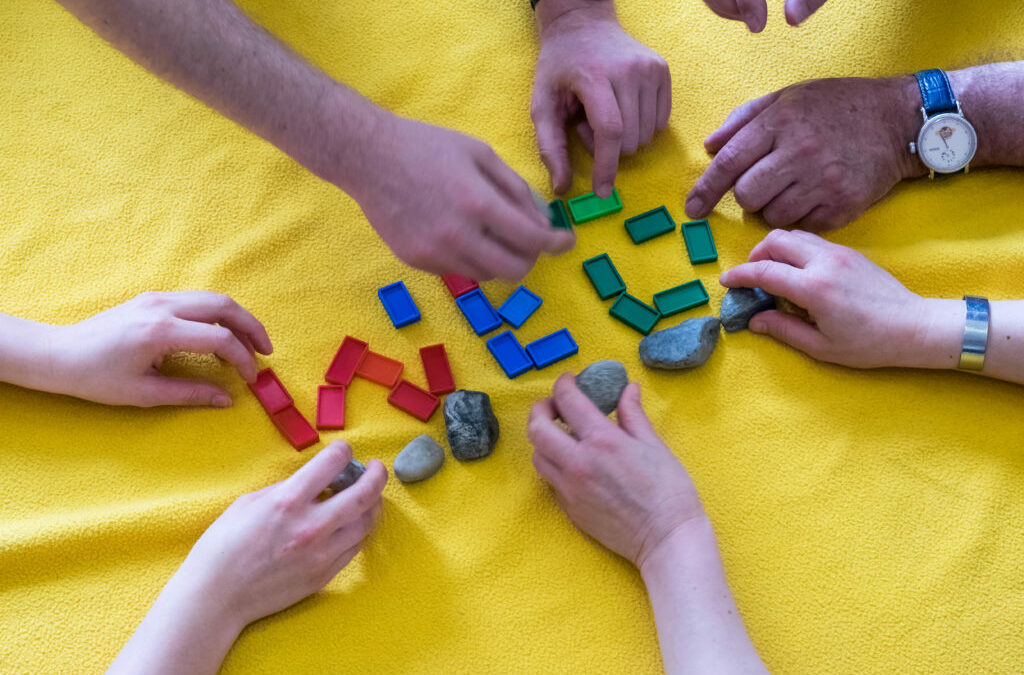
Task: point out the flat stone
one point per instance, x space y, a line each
603 382
348 477
419 460
471 424
687 345
740 304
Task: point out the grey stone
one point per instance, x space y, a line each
348 477
740 304
419 460
603 382
471 424
687 345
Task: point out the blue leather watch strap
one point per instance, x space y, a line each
936 92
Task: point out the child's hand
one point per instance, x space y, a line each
862 316
115 356
619 484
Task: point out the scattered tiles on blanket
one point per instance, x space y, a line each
471 424
740 304
419 460
687 345
603 382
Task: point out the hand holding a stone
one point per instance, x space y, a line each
618 483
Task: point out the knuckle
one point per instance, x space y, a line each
832 177
156 330
809 146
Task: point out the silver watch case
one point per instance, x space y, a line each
936 120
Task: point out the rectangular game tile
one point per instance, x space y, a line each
330 406
520 305
559 215
346 361
509 354
589 206
649 225
681 298
635 314
270 392
551 348
699 242
380 369
398 303
479 311
439 371
417 402
604 276
295 428
458 284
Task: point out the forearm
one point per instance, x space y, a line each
25 353
551 11
699 627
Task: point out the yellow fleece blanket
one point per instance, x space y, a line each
869 521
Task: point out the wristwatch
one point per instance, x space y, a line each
947 141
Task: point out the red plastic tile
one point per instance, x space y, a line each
346 361
458 284
295 428
380 369
419 403
439 372
330 407
271 393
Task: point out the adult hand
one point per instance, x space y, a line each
114 357
860 315
446 203
589 64
814 155
754 13
618 483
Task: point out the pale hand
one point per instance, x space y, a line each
754 13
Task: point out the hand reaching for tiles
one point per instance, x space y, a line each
754 13
618 483
115 356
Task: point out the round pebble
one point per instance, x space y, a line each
419 460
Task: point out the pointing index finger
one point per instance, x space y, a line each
605 119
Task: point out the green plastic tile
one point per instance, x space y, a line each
635 314
604 276
681 298
654 223
559 216
699 242
589 206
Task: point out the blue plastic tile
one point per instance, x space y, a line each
551 348
520 305
479 311
398 304
509 354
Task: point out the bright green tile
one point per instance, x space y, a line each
590 206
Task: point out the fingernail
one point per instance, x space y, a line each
694 206
222 401
756 326
604 191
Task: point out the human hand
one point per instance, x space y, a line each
446 203
114 357
860 315
754 13
814 155
618 483
589 64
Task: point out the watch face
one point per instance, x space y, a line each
947 143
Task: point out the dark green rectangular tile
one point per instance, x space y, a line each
649 225
681 298
700 244
635 314
604 276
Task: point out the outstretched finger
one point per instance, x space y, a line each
155 390
773 277
210 307
749 145
605 118
790 330
551 139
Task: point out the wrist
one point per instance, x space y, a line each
196 602
936 336
907 121
26 354
557 17
691 540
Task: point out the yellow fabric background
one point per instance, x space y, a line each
869 521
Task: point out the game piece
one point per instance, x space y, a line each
380 369
479 311
740 305
635 314
603 383
330 406
472 428
458 284
685 346
604 276
681 298
419 460
345 362
649 225
509 354
551 348
699 243
295 428
398 303
348 476
270 392
559 215
439 372
589 206
520 305
419 403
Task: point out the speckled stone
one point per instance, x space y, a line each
603 382
419 460
472 427
740 304
681 347
348 477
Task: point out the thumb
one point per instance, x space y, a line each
632 418
797 11
552 142
790 330
154 390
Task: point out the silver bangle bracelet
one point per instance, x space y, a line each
972 354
